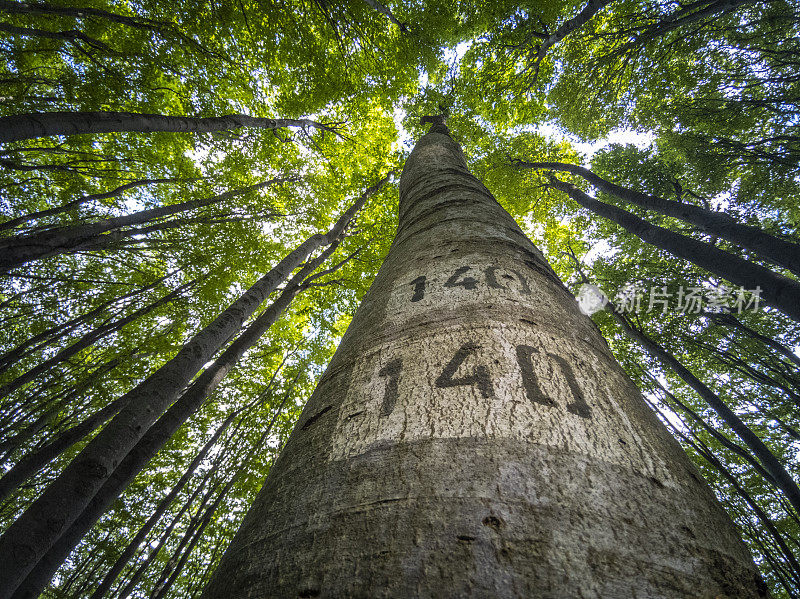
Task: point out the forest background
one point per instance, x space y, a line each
196 144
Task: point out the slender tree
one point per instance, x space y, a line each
31 126
776 289
719 224
473 436
35 532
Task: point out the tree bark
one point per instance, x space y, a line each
25 248
772 465
158 513
720 224
25 218
39 528
34 461
474 437
88 339
776 290
46 124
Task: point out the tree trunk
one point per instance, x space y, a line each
25 218
34 461
89 339
19 127
474 437
31 537
133 546
22 249
772 465
776 250
163 429
776 290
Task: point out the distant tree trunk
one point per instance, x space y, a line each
34 461
20 220
731 321
25 248
163 429
474 437
89 339
19 127
776 250
776 290
133 546
772 465
60 330
85 479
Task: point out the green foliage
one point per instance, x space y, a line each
716 91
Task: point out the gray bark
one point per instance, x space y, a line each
772 465
133 546
776 250
776 290
25 218
25 248
19 127
109 462
474 437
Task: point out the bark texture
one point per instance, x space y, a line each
46 124
474 437
774 249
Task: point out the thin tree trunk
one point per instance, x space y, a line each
473 437
23 349
731 321
776 290
702 449
771 463
195 524
34 461
40 527
722 439
20 220
719 224
89 339
162 507
163 429
548 41
45 124
137 575
23 249
18 440
257 446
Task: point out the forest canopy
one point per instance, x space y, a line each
196 196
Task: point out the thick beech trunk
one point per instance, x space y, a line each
776 290
45 124
135 426
776 250
474 437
